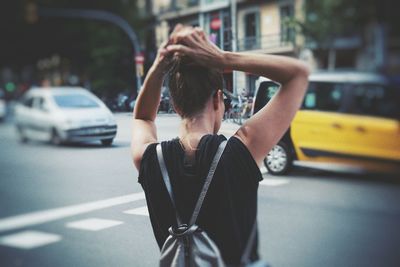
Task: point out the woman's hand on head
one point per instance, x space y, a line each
164 56
162 59
193 42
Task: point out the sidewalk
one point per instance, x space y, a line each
228 128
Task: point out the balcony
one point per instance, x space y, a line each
272 43
177 10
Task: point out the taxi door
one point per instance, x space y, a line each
373 124
317 131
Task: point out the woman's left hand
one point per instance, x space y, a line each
193 42
164 55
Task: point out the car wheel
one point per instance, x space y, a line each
55 138
21 134
107 142
279 160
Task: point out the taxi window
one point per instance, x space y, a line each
323 96
375 100
264 94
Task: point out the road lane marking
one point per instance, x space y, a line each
274 182
40 217
263 170
93 224
138 211
29 239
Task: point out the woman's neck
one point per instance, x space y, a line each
192 129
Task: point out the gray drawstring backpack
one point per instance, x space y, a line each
188 245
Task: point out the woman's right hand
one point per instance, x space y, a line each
193 42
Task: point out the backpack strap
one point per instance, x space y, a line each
207 183
204 190
167 181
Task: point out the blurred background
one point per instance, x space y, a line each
52 43
70 72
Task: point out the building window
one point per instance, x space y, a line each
227 31
215 28
193 2
251 31
250 24
218 27
286 13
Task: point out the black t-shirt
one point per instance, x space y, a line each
230 206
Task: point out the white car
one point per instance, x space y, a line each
64 114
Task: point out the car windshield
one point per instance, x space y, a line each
75 101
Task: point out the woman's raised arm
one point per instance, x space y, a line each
263 130
144 130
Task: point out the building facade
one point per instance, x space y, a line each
263 26
260 27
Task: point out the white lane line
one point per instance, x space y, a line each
39 217
29 239
263 170
274 182
138 211
93 224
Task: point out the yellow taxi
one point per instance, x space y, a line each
348 120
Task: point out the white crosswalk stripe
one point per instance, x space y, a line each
138 211
93 224
45 216
29 239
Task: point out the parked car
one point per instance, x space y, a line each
165 102
64 114
347 119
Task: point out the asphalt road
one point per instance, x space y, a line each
82 206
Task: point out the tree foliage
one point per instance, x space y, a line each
97 51
325 20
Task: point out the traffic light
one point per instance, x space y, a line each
10 87
31 14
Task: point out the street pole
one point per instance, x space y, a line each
98 15
234 41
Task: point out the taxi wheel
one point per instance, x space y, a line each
279 160
107 142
